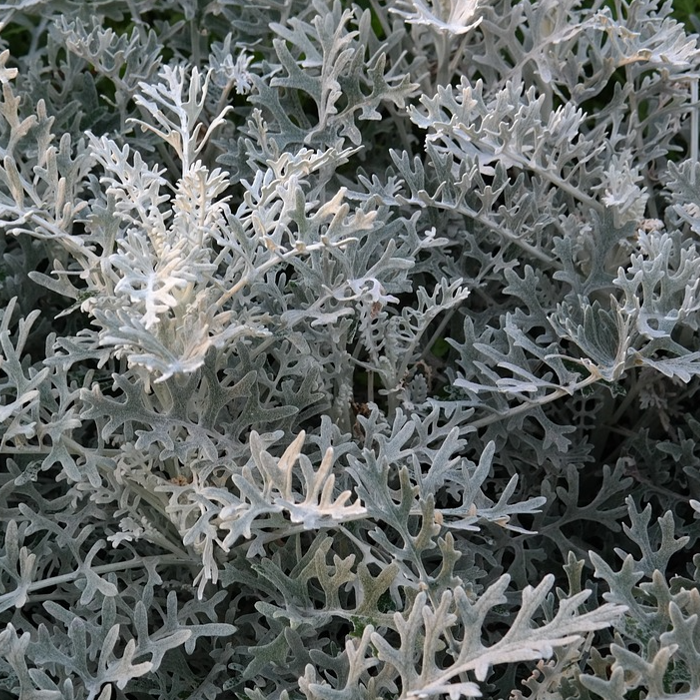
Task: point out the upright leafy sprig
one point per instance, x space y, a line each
168 291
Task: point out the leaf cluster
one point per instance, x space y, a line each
347 349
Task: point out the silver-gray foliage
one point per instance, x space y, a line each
349 351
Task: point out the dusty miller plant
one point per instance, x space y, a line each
349 350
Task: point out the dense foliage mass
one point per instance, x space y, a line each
349 351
